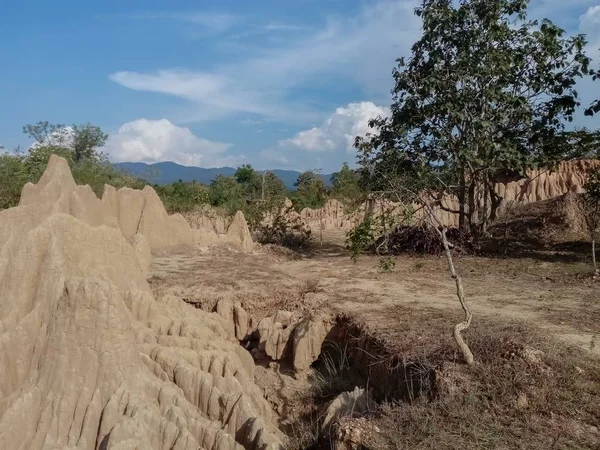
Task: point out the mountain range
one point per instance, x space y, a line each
169 172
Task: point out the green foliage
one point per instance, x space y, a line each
594 108
274 187
246 175
94 170
310 192
36 160
591 202
227 193
86 140
377 229
181 197
346 187
360 238
485 92
12 178
592 188
387 264
285 229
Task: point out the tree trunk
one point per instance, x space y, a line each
472 212
460 293
262 194
462 193
594 255
495 201
485 214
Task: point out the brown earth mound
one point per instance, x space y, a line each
538 185
89 359
544 223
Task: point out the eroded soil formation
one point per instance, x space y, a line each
89 357
122 327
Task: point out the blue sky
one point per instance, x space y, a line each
279 84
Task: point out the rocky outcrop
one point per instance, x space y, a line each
288 334
538 185
217 229
276 334
309 336
348 404
89 358
133 212
239 232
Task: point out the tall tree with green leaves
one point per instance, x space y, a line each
87 139
345 186
311 191
486 91
77 143
47 134
227 193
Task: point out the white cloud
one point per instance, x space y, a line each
339 130
149 141
330 143
589 23
216 22
282 27
360 49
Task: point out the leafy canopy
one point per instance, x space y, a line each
311 191
485 91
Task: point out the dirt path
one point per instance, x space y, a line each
545 295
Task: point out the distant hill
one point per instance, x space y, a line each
169 172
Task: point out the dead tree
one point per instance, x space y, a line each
432 220
460 292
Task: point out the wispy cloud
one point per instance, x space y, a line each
216 22
283 27
361 49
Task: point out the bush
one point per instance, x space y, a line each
285 229
422 240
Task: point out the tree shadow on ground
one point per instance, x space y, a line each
565 252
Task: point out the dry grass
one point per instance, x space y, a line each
524 392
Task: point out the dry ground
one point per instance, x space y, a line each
551 296
506 401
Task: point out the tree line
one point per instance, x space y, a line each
248 190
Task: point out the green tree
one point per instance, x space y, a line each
180 197
227 193
594 108
273 186
47 134
36 160
345 186
264 186
246 175
249 180
485 91
12 178
87 139
310 192
79 145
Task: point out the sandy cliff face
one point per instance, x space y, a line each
89 359
569 176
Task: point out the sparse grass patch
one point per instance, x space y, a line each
310 286
523 392
579 269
